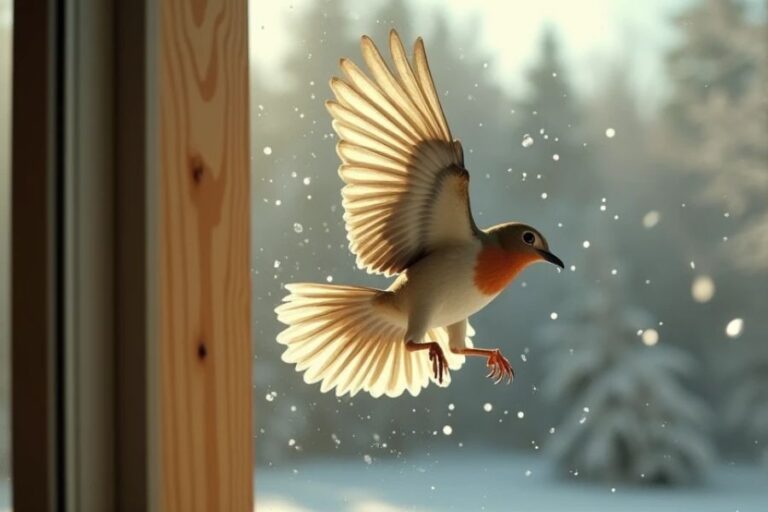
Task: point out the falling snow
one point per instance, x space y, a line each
650 337
734 328
703 289
527 141
651 219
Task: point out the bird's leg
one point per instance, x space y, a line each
436 355
498 364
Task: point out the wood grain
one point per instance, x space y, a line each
205 365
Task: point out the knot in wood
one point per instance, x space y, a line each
197 167
202 350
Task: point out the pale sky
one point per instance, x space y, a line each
594 34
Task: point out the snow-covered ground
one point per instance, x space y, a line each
490 482
484 482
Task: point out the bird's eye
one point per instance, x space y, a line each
529 238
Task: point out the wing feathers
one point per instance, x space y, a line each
428 87
404 110
389 83
408 80
351 98
396 150
358 137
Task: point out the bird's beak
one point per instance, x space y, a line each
551 258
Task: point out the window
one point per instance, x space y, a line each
632 136
89 314
6 27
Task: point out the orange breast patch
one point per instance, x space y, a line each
496 267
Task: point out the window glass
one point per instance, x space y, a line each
6 27
632 136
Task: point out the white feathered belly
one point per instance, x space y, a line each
442 286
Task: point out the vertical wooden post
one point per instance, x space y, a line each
203 270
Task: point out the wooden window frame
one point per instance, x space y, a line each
130 289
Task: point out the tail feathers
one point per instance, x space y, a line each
338 337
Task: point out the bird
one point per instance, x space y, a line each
407 215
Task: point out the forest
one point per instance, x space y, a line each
646 359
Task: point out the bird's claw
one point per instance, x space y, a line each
439 362
499 368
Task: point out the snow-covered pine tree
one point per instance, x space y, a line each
716 122
629 414
551 130
747 405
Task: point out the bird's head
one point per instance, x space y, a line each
523 240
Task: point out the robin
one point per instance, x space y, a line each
407 213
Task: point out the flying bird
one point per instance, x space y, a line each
407 214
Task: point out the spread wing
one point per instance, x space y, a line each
406 187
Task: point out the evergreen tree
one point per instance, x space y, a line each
747 404
630 416
717 119
716 125
558 189
551 131
557 181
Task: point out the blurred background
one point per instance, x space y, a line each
635 136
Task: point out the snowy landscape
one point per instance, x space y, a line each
638 148
483 482
490 482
